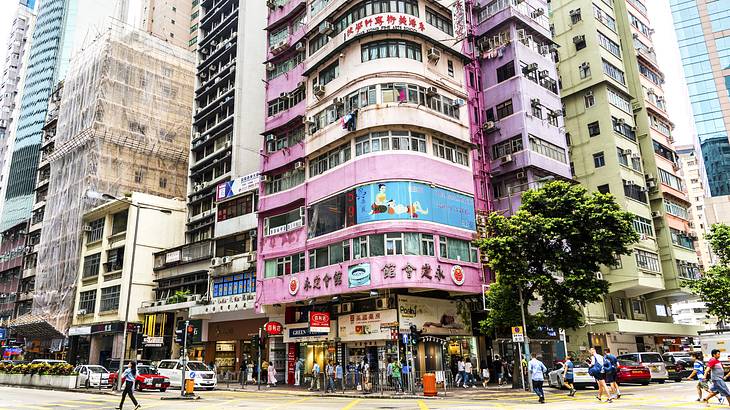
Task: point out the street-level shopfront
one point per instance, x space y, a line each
229 345
99 342
310 345
370 335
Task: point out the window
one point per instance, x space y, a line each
91 265
536 110
278 36
547 149
286 65
390 49
635 191
281 104
393 243
284 222
670 180
665 152
603 189
450 67
681 238
589 99
138 176
651 75
427 245
594 129
647 261
109 298
504 109
637 306
237 207
236 284
676 209
689 270
96 231
580 42
87 301
285 265
613 72
119 222
609 45
618 101
361 98
114 260
507 147
458 249
604 18
411 93
506 72
284 181
440 22
599 160
575 16
387 140
626 130
450 152
584 70
643 226
328 74
370 7
329 160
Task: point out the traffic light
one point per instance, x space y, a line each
189 334
415 334
179 334
255 340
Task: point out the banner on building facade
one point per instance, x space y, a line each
458 16
237 186
319 322
434 316
374 325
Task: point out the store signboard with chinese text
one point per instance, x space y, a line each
367 325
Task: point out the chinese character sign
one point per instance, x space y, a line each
458 15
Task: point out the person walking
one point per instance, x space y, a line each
389 372
717 376
537 371
568 376
461 372
366 385
339 375
596 370
330 372
315 377
611 368
485 373
271 372
297 371
128 378
468 376
698 375
396 374
497 363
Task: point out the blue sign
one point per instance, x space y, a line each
415 201
358 275
3 333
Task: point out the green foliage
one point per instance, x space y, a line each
179 297
713 287
59 369
551 249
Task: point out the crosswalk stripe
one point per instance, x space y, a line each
422 405
352 404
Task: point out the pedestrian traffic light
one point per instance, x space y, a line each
255 340
179 334
415 334
189 334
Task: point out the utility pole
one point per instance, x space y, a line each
184 357
525 344
258 373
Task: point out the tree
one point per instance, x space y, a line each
713 287
551 250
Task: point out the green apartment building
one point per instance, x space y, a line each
619 136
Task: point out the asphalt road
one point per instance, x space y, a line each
667 396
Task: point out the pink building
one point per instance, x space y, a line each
368 183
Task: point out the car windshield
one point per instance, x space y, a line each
623 362
197 367
651 358
97 369
145 370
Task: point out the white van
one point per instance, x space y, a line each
198 371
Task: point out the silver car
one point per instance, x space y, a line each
652 360
581 378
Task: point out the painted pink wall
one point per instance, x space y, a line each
278 13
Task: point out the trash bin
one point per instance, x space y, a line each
189 386
429 385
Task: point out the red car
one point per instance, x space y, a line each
148 379
632 372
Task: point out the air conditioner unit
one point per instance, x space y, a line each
215 262
87 228
459 102
270 66
270 4
651 184
589 93
521 175
579 39
299 165
346 307
599 275
537 13
621 121
431 91
299 46
310 121
530 68
655 214
326 28
434 54
382 303
251 258
635 155
543 73
300 84
82 312
507 159
628 152
338 101
270 137
264 178
318 90
226 260
203 51
612 317
283 95
490 125
535 102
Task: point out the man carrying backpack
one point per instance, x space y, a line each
596 369
610 365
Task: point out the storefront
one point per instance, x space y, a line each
79 344
229 345
311 346
106 341
370 335
158 336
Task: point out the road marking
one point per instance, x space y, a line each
352 404
278 406
422 405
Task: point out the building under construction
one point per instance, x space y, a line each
123 126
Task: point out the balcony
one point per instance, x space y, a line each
28 272
193 252
497 12
171 304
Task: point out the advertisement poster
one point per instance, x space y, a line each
434 316
358 275
414 200
367 325
237 186
319 322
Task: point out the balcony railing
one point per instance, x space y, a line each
184 254
537 15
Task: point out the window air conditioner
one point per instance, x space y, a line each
431 91
299 165
87 228
507 159
318 90
434 54
270 66
270 137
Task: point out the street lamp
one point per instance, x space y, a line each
526 342
108 197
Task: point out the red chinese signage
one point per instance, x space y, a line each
378 22
273 328
319 322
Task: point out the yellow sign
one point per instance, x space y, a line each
517 334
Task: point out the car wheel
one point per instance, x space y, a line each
87 384
210 388
645 383
162 390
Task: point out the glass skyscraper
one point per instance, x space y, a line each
703 34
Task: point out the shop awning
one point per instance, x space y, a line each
645 327
32 326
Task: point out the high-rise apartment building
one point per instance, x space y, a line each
194 24
171 20
704 43
693 173
621 142
11 85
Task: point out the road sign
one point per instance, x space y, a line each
192 375
517 334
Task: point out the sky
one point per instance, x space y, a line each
665 43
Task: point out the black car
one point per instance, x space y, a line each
681 362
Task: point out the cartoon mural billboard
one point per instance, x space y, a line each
390 200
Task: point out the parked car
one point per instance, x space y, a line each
93 376
653 361
48 361
148 378
680 362
632 372
581 378
204 378
113 366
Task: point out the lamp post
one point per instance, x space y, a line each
526 342
108 197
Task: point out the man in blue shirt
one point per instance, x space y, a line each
611 373
568 375
537 371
